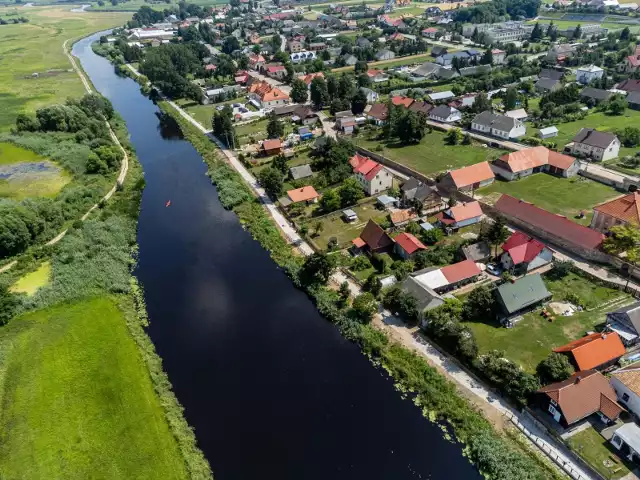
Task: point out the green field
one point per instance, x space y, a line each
596 450
78 401
600 121
533 338
31 282
36 47
432 154
41 178
203 113
565 196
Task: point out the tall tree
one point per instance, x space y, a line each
510 98
271 180
487 58
536 33
319 92
497 234
359 102
275 128
577 33
481 103
299 91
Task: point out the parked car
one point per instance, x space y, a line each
494 269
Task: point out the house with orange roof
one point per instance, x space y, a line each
460 215
267 96
469 178
272 147
407 245
624 210
522 254
596 351
309 77
306 194
583 394
256 61
528 161
373 177
626 382
402 101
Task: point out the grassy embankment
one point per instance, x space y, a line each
36 47
437 397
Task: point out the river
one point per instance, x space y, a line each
271 388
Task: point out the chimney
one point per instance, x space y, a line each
578 379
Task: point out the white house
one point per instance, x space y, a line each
498 125
584 75
373 177
599 146
499 56
626 382
445 114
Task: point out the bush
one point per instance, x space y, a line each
361 262
555 368
402 303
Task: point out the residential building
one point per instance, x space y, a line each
631 62
551 73
629 85
624 210
591 143
585 75
400 218
401 101
469 178
445 114
302 56
377 76
625 322
267 96
520 296
272 147
559 53
427 195
440 96
448 278
546 85
425 71
256 62
308 78
350 60
437 51
305 194
548 132
304 115
430 32
373 239
460 215
276 71
497 125
626 382
580 396
384 55
300 172
373 177
596 94
447 59
627 440
597 351
499 56
550 227
372 96
528 161
407 245
378 113
633 99
426 298
295 46
519 114
421 107
522 254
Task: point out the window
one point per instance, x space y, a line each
625 397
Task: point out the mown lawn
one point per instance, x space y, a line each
203 113
592 446
37 47
432 154
77 400
533 338
565 196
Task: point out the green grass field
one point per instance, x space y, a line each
566 196
432 154
78 401
203 113
36 182
37 47
596 450
533 338
600 121
31 282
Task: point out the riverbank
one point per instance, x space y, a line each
436 396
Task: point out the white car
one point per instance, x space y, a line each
494 269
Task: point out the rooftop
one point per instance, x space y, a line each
302 194
463 177
625 208
409 243
594 138
594 350
523 293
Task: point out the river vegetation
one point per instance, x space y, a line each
76 356
492 453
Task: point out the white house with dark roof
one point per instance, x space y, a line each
445 114
591 143
497 125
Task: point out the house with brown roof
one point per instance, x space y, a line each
460 215
373 177
528 161
626 382
272 147
305 194
408 245
623 210
378 113
580 396
630 85
551 227
522 254
469 178
401 217
595 351
373 239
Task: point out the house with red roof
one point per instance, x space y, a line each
469 178
256 61
373 177
402 101
624 210
447 278
553 228
528 161
277 72
306 194
597 351
460 215
583 394
373 239
631 63
407 245
522 254
430 32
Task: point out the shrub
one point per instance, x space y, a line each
361 262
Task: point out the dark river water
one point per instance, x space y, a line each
271 388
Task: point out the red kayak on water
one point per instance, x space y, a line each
168 204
